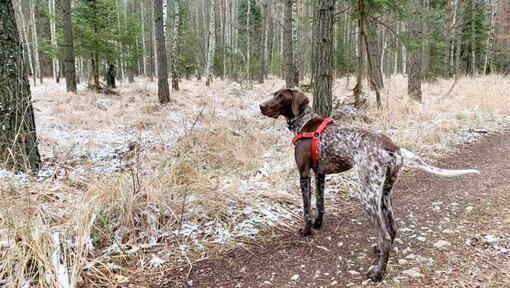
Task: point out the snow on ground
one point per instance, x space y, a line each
169 183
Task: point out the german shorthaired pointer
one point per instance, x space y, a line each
377 159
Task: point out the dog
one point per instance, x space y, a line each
336 149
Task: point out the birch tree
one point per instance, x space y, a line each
175 33
35 40
54 60
211 42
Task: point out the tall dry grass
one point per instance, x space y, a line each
198 176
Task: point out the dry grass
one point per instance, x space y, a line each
132 186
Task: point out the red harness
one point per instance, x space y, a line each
315 138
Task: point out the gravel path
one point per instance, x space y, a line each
453 232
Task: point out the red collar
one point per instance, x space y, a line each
315 138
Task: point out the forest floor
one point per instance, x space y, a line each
131 191
453 232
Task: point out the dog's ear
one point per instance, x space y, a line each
299 102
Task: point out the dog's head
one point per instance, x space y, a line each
286 102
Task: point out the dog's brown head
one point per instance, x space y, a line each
286 102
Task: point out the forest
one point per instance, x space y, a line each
133 151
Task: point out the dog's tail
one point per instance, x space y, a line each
412 160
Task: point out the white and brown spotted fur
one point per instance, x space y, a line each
377 159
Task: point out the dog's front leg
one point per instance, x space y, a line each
319 197
307 193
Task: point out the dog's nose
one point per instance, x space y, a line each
261 106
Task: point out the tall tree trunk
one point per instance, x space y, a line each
175 34
295 42
415 51
323 99
53 40
490 36
163 89
503 36
373 48
447 36
263 42
35 40
144 49
359 57
270 37
473 38
152 60
288 50
370 62
25 41
68 47
248 46
458 29
212 42
18 139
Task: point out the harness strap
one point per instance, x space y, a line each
315 138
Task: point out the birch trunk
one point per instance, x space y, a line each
211 43
490 36
175 39
53 40
35 40
25 42
473 38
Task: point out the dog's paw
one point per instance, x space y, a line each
317 223
305 231
376 275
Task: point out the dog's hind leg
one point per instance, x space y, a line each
319 197
371 190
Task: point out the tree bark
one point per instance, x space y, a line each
152 66
175 36
458 30
263 42
502 31
375 55
25 42
359 58
248 46
212 42
68 47
295 42
490 36
288 46
35 39
415 51
18 139
53 40
473 38
163 89
447 36
323 99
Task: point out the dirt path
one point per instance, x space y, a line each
472 213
